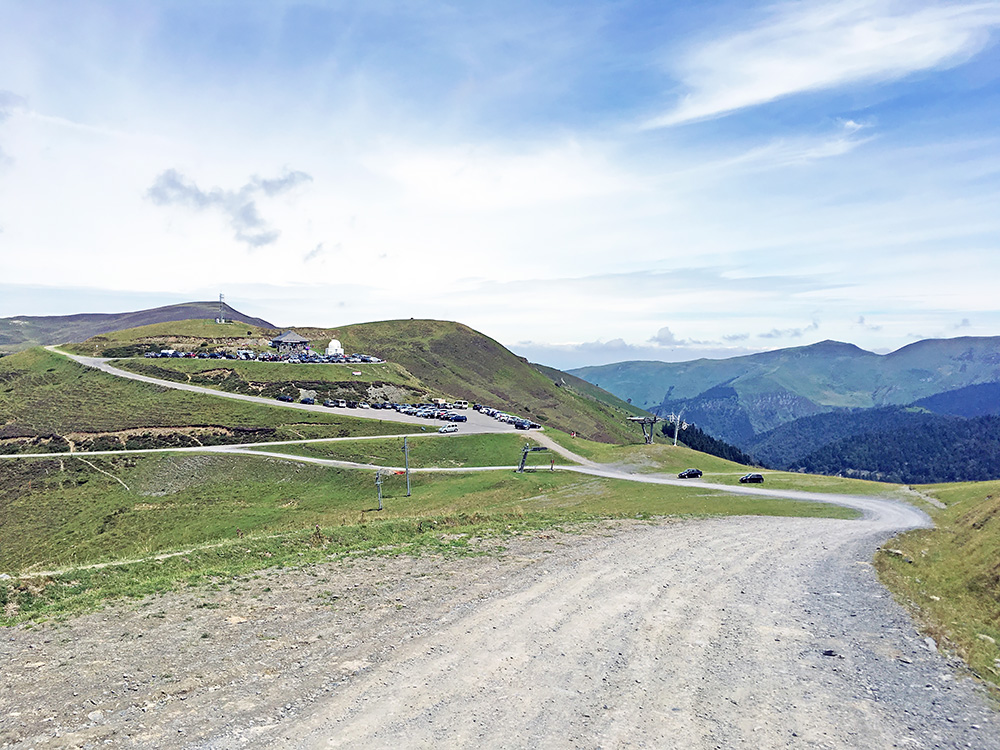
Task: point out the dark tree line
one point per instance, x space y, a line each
941 450
701 441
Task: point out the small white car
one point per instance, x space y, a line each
448 428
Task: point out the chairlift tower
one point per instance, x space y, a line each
678 422
645 422
528 448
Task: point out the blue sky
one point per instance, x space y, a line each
586 182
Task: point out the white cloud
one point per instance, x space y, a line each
813 46
480 177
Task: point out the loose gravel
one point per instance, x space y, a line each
718 633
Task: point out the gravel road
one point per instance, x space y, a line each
721 633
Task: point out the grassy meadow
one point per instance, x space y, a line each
424 358
663 457
428 450
184 334
232 514
273 378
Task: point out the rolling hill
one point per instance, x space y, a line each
25 331
424 358
737 398
783 406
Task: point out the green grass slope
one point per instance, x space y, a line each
385 381
426 358
463 363
949 576
47 400
184 335
229 515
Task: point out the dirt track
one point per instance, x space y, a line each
724 633
699 634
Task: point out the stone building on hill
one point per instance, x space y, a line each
289 343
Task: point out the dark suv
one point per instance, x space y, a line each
752 479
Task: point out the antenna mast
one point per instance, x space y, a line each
222 309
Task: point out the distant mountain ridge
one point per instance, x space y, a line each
25 331
834 407
736 399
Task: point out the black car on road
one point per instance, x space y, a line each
752 479
689 474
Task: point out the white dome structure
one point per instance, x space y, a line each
334 349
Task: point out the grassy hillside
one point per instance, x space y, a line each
25 331
736 398
463 363
184 335
430 357
581 387
48 401
386 381
427 450
231 515
949 576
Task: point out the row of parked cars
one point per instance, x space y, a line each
519 423
312 359
442 411
251 356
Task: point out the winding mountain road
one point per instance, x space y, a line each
744 632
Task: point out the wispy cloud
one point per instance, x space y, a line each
173 188
862 323
789 333
806 47
9 101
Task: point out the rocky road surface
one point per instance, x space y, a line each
722 633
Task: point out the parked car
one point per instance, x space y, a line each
752 479
328 402
286 399
448 428
689 474
308 400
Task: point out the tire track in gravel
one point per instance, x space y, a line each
709 634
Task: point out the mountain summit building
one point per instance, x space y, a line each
290 342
